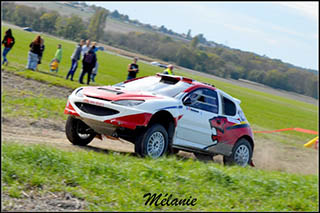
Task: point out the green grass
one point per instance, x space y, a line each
264 111
116 182
25 103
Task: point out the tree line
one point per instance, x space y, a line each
219 61
42 20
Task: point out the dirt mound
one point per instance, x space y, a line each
14 82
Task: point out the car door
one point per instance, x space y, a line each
194 128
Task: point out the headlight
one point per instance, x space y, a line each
128 102
79 93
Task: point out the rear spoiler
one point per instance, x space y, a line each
175 77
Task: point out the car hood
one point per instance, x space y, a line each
110 93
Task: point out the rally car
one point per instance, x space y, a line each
162 114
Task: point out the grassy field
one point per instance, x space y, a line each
116 182
264 111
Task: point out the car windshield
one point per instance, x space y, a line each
167 86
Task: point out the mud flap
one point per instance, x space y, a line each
251 163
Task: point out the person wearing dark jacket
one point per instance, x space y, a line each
8 42
133 69
75 57
42 47
34 52
88 63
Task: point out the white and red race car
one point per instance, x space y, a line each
162 114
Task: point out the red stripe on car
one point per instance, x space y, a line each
199 85
70 110
131 121
114 95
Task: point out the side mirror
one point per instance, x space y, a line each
187 101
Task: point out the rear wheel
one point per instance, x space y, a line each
79 133
241 154
153 142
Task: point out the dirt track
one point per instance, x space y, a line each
268 155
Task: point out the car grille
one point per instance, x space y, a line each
95 110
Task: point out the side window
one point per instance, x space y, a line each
229 108
204 99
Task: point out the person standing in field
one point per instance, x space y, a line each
8 42
95 69
33 55
88 62
74 60
169 70
86 47
133 69
41 52
57 59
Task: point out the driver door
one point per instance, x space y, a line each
194 128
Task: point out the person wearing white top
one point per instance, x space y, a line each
86 48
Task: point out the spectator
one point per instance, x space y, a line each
95 69
169 70
86 47
133 69
41 52
88 62
94 72
8 42
57 59
34 52
74 60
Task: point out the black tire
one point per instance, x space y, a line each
144 143
78 133
242 146
203 157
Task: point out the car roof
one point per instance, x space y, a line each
194 84
197 84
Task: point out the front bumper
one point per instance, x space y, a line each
125 117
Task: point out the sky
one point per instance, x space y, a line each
288 31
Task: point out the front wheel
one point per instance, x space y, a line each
153 142
241 154
78 133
